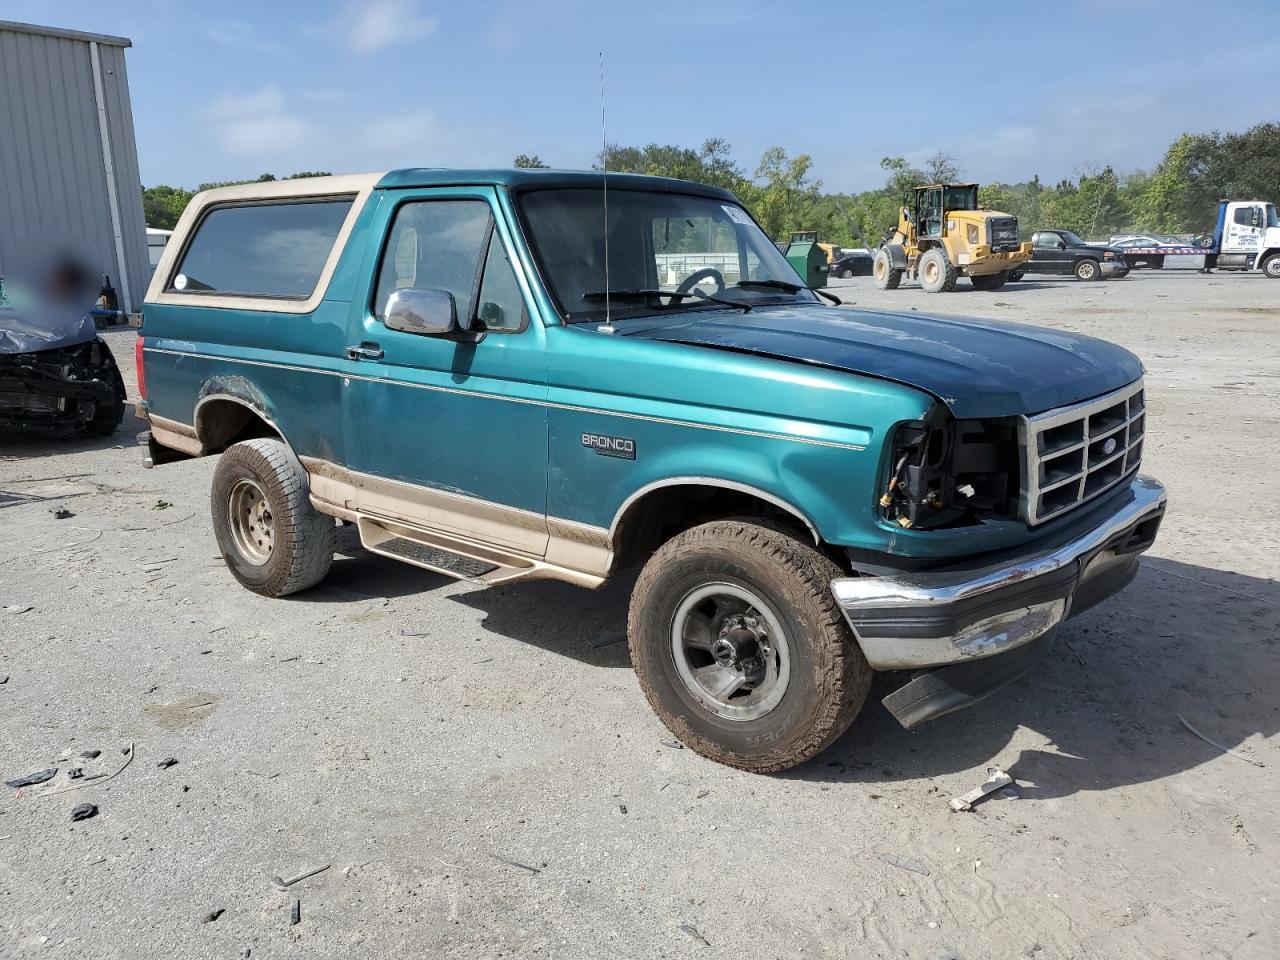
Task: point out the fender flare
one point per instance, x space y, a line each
699 481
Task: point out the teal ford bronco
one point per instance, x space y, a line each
493 378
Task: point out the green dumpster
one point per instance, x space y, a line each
809 260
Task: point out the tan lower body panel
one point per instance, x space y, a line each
547 547
176 435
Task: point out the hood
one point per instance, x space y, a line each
43 327
978 368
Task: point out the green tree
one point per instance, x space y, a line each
526 162
162 205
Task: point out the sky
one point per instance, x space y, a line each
233 89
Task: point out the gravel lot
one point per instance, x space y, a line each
426 738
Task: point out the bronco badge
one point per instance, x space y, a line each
621 447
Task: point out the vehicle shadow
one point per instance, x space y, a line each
32 445
1181 640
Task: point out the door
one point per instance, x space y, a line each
450 432
1050 254
1245 223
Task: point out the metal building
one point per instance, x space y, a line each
68 161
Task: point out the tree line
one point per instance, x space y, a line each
1179 195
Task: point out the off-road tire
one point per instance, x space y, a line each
992 281
1087 270
1271 266
886 277
304 538
936 271
829 675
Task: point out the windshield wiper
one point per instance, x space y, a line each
788 287
636 295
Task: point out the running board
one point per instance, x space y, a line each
441 553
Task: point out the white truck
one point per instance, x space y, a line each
1246 237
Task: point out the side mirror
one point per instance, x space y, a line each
1061 244
428 313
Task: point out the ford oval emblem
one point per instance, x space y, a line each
1109 447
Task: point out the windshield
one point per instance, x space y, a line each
960 198
657 242
1072 239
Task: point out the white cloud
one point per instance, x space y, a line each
257 124
372 25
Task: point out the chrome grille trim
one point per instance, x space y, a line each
1068 457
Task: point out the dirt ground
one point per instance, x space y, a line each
481 773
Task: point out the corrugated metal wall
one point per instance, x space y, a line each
52 175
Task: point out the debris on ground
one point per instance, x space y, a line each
166 763
996 779
89 755
96 779
514 863
693 931
62 513
1213 743
213 915
75 773
295 917
284 884
622 808
673 744
31 779
606 638
4 679
16 608
162 505
903 863
84 811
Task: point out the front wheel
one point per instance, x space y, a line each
740 649
937 273
1087 270
272 539
846 274
886 277
1271 266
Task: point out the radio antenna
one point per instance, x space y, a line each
604 179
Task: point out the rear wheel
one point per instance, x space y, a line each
740 649
846 273
1017 274
1087 270
936 272
1271 266
272 539
886 277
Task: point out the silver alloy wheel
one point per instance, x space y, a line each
1087 270
251 522
1271 267
730 651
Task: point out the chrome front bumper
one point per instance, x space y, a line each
962 614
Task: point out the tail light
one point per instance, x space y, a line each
142 373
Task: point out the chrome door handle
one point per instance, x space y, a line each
364 352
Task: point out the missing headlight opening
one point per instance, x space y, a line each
948 473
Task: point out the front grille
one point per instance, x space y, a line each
1004 233
1076 453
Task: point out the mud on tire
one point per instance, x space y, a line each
828 676
276 543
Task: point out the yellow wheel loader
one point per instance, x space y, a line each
943 235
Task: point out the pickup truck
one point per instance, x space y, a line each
490 377
1064 253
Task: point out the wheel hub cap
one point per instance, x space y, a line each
252 523
730 651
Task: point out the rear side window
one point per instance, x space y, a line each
275 250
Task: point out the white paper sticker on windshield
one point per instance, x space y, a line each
736 214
